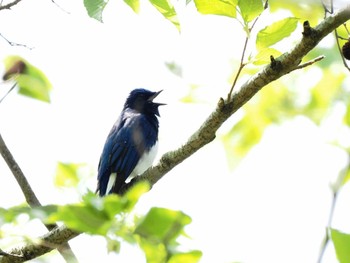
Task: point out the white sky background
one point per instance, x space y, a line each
272 208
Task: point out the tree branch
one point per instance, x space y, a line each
9 5
283 65
55 239
29 194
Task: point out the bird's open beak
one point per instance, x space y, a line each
154 96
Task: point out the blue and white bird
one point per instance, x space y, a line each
132 144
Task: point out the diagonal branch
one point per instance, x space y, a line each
55 238
278 67
29 194
283 65
9 5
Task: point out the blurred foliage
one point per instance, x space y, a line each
341 243
342 178
166 8
217 7
274 103
67 174
134 4
156 232
275 32
324 94
95 9
250 9
30 80
264 56
305 10
96 215
174 68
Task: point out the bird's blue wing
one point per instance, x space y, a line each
122 151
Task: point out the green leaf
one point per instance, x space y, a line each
166 8
263 57
341 180
346 177
90 216
312 11
43 212
134 4
84 218
324 93
174 68
188 257
67 174
134 194
271 105
169 224
341 243
191 97
217 7
96 215
276 32
33 88
245 134
347 115
155 252
112 205
95 8
31 81
113 245
10 214
250 9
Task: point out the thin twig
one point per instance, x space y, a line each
346 28
335 188
310 62
337 37
11 43
340 50
9 5
242 64
60 7
329 225
8 92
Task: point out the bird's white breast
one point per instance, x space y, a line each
145 162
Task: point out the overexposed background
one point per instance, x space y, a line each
273 207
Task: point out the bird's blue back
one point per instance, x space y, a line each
133 135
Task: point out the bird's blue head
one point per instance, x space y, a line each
141 100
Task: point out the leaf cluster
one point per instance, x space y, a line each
156 232
30 80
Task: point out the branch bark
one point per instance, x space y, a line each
9 5
52 240
278 67
30 196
